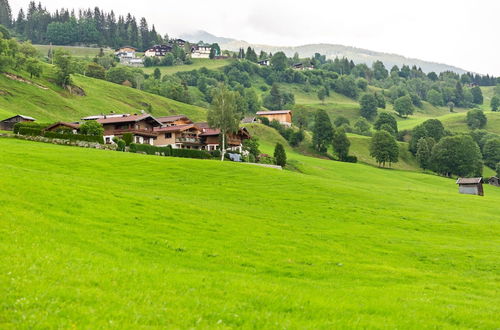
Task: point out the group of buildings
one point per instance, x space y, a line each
178 131
128 54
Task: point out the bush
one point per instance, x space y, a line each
29 124
476 119
74 137
121 145
150 150
190 153
30 131
280 155
351 159
128 138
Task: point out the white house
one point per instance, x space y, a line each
201 50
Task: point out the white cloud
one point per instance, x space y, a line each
457 32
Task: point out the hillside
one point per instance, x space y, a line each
51 103
210 244
358 55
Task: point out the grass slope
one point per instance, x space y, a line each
106 239
197 64
73 50
54 103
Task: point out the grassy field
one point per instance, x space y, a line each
197 64
75 51
54 103
96 239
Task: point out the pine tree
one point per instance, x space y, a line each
280 155
5 13
322 131
20 22
145 36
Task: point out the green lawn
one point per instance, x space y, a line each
100 239
197 64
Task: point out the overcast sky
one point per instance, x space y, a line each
457 32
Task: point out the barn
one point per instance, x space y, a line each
471 186
8 124
494 181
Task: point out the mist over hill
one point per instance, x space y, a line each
358 55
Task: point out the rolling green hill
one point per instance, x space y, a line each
105 239
51 103
73 50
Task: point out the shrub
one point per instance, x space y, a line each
150 150
128 138
476 119
189 153
351 159
121 145
39 126
30 131
264 121
280 155
74 137
91 127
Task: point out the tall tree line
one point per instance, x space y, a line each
86 26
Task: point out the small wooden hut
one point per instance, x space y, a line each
471 186
494 181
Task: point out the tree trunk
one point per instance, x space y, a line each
223 147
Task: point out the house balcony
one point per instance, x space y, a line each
189 140
141 132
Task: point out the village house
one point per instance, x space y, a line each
158 51
494 181
284 117
64 127
126 52
179 42
301 67
471 186
201 50
264 62
8 123
210 138
179 137
140 126
111 115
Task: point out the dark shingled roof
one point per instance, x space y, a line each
469 180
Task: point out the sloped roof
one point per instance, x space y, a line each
168 119
275 112
22 116
71 125
248 120
469 180
127 119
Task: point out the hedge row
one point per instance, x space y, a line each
169 151
30 125
74 137
33 130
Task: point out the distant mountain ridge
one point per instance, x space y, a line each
358 55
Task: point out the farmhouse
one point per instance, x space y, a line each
179 137
158 51
210 138
125 52
494 181
284 117
64 127
8 123
141 126
178 42
264 63
471 186
112 115
201 50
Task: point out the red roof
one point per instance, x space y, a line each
126 119
168 119
210 132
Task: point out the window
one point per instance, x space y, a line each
168 135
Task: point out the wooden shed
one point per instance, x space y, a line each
471 186
8 124
494 181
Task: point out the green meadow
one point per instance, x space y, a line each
198 63
52 103
101 239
